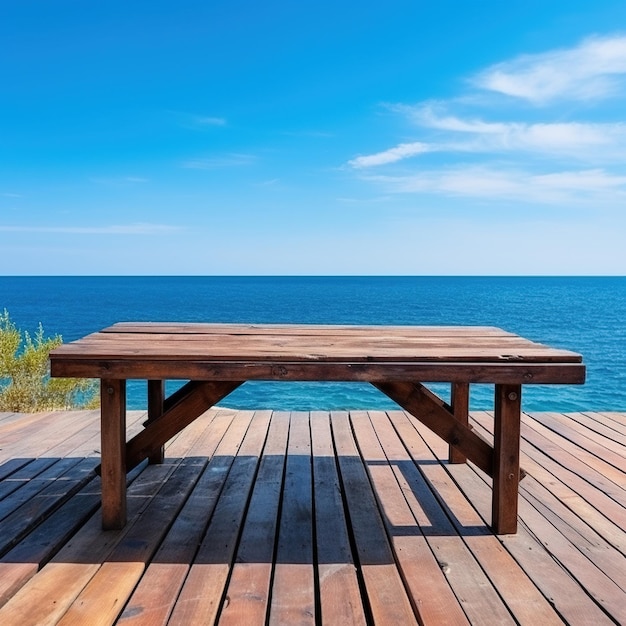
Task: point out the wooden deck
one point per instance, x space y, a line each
297 518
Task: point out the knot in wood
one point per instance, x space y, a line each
279 371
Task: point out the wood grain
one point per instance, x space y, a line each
370 525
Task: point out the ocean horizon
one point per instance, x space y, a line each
585 314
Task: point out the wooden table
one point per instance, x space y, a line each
217 358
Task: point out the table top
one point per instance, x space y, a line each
131 349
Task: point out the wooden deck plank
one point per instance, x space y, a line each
29 481
340 597
607 452
41 485
565 593
523 600
584 569
103 598
38 432
566 462
248 593
293 589
546 570
571 490
23 561
201 595
48 594
40 600
607 494
387 597
586 557
32 478
49 490
615 420
6 416
579 534
610 435
432 597
156 594
391 529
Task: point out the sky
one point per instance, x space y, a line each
312 137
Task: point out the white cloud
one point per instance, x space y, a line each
593 70
575 140
432 115
574 187
401 151
118 229
10 195
552 161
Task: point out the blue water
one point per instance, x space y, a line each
586 315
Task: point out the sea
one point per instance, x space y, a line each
583 314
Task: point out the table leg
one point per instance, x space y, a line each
156 399
506 470
113 436
460 408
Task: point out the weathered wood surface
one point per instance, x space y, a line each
341 518
140 346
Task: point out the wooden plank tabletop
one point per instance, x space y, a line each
240 352
304 343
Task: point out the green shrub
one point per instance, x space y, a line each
25 383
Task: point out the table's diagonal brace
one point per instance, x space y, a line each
438 416
180 409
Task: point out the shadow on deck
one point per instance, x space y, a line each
347 518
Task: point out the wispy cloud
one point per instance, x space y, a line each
399 152
10 195
227 160
116 229
592 70
551 160
202 120
482 182
576 140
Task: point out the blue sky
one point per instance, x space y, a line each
310 137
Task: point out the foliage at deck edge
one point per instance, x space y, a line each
25 382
